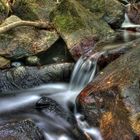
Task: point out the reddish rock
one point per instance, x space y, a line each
111 101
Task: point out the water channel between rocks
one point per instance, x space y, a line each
72 124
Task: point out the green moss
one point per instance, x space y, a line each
67 23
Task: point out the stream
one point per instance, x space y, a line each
64 95
56 127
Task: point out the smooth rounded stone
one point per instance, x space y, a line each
32 60
71 20
111 101
24 41
16 64
27 77
112 11
4 63
33 9
20 130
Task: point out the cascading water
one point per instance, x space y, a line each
128 24
83 73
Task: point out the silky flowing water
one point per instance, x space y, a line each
63 94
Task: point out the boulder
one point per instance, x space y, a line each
24 40
79 28
111 101
22 77
33 9
111 11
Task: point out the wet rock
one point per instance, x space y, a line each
133 12
32 60
16 64
112 11
33 9
24 41
111 101
26 77
110 50
20 130
48 105
71 20
46 113
4 63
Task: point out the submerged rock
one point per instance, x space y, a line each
26 77
79 28
24 41
47 114
111 101
20 130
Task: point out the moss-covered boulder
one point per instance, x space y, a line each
24 40
111 101
33 9
79 27
111 11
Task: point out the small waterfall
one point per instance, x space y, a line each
83 73
128 24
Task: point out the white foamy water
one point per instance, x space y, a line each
83 73
128 24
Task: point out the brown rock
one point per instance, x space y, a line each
4 62
111 101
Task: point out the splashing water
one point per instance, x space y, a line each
128 24
83 73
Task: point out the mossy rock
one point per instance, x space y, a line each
78 26
112 11
33 9
111 101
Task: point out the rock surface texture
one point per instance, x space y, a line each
111 101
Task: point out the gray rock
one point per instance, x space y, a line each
20 130
26 77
